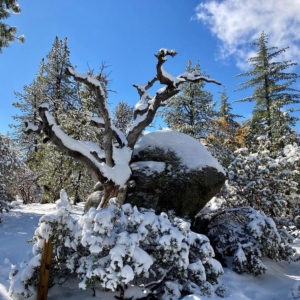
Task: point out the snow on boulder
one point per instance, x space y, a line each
192 153
173 171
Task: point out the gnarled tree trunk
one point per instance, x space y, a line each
108 163
111 190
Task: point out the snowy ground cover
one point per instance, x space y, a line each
19 225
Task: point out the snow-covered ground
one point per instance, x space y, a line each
19 224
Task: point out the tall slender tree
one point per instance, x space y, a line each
225 109
227 134
28 103
273 92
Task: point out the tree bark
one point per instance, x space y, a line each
111 190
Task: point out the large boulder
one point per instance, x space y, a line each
173 171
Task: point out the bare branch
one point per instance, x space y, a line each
100 98
118 134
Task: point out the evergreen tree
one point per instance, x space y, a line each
272 93
8 33
28 104
123 115
227 135
61 92
257 210
69 106
192 110
224 110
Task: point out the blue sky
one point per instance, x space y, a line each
127 34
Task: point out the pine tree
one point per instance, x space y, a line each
28 104
7 32
272 93
61 92
69 106
192 110
224 110
226 134
123 115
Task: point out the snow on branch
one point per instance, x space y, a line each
99 90
195 76
88 153
88 80
30 127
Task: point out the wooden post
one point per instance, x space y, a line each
45 270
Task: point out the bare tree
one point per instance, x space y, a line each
110 164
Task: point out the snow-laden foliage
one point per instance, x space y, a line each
15 176
256 213
59 227
247 235
117 247
274 97
267 184
262 182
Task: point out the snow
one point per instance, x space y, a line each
89 79
18 226
161 90
139 119
175 80
31 126
167 51
44 105
192 153
118 174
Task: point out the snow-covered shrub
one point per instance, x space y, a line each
247 235
256 213
125 246
121 246
59 227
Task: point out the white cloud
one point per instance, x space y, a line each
236 23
